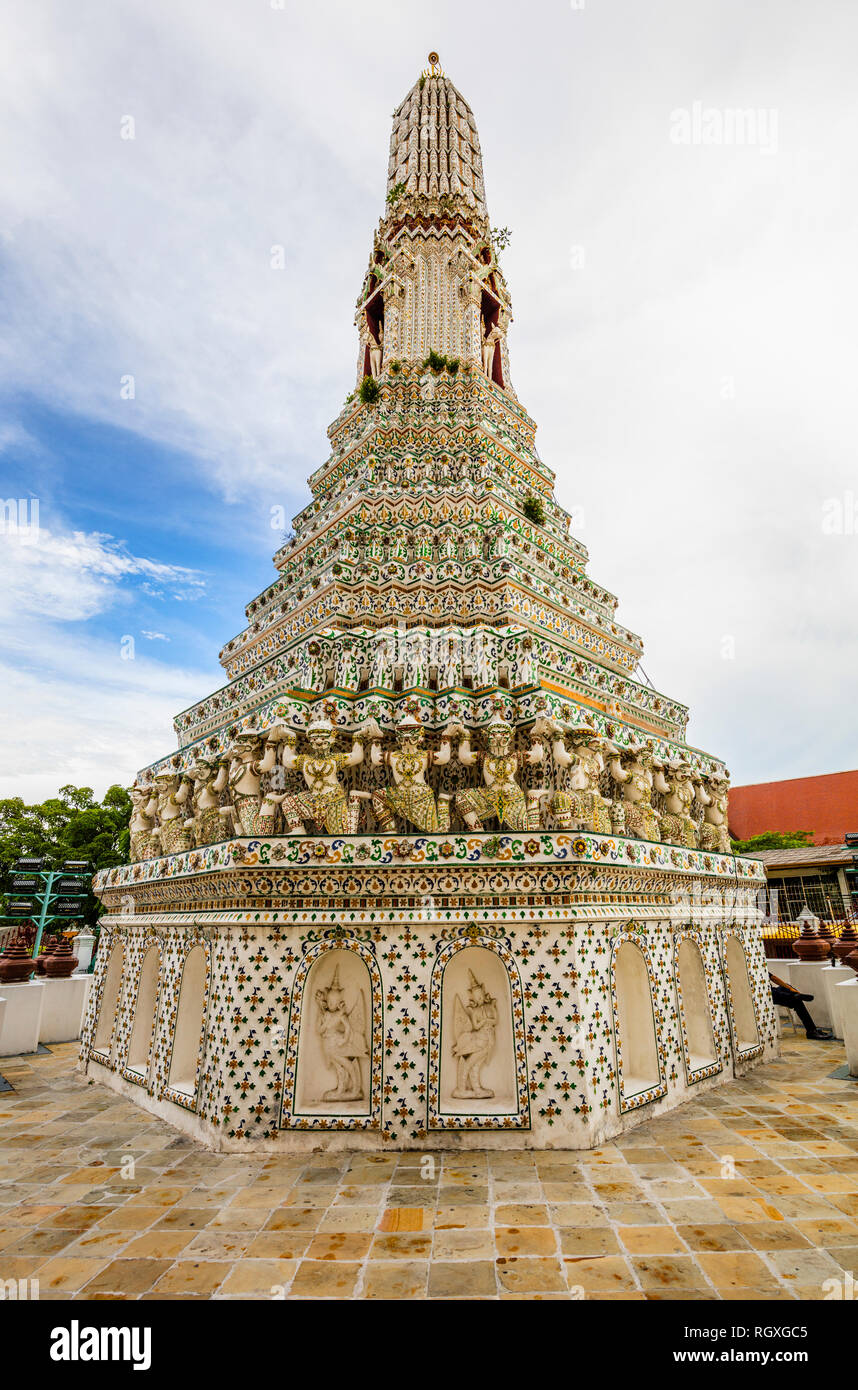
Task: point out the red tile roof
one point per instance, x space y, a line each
816 856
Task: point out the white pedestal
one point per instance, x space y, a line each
82 947
848 998
22 1018
808 977
834 976
65 1001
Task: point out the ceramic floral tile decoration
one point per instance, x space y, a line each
432 868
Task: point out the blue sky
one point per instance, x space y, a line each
683 336
158 503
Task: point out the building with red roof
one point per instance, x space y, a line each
827 806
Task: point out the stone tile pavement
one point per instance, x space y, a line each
749 1192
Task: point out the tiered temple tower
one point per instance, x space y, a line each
433 862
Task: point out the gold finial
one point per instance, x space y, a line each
434 69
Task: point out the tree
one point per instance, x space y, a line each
773 839
70 825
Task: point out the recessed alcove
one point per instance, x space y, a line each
189 1024
143 1027
699 1039
334 1042
742 1012
109 1002
477 1047
638 1042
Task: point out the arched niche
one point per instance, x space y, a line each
334 1059
477 1072
145 1009
637 1040
694 1008
190 1016
743 1015
109 1006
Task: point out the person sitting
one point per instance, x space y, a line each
789 997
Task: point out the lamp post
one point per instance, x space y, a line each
53 895
851 839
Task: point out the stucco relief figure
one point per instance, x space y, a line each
172 792
485 659
398 548
450 673
501 796
675 781
347 674
309 666
324 801
416 659
580 802
475 1021
145 842
631 769
712 792
490 342
254 814
383 659
527 662
409 797
376 351
208 824
342 1033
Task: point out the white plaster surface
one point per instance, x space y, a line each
62 1014
22 1018
849 1015
833 976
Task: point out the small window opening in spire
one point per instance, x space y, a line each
489 317
374 312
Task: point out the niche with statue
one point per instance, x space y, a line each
334 1054
477 1052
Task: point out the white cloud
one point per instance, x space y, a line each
78 708
155 636
75 711
73 577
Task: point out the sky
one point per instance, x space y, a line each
188 195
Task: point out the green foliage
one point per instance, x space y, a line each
369 390
70 825
773 839
437 362
395 194
534 510
396 366
501 237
